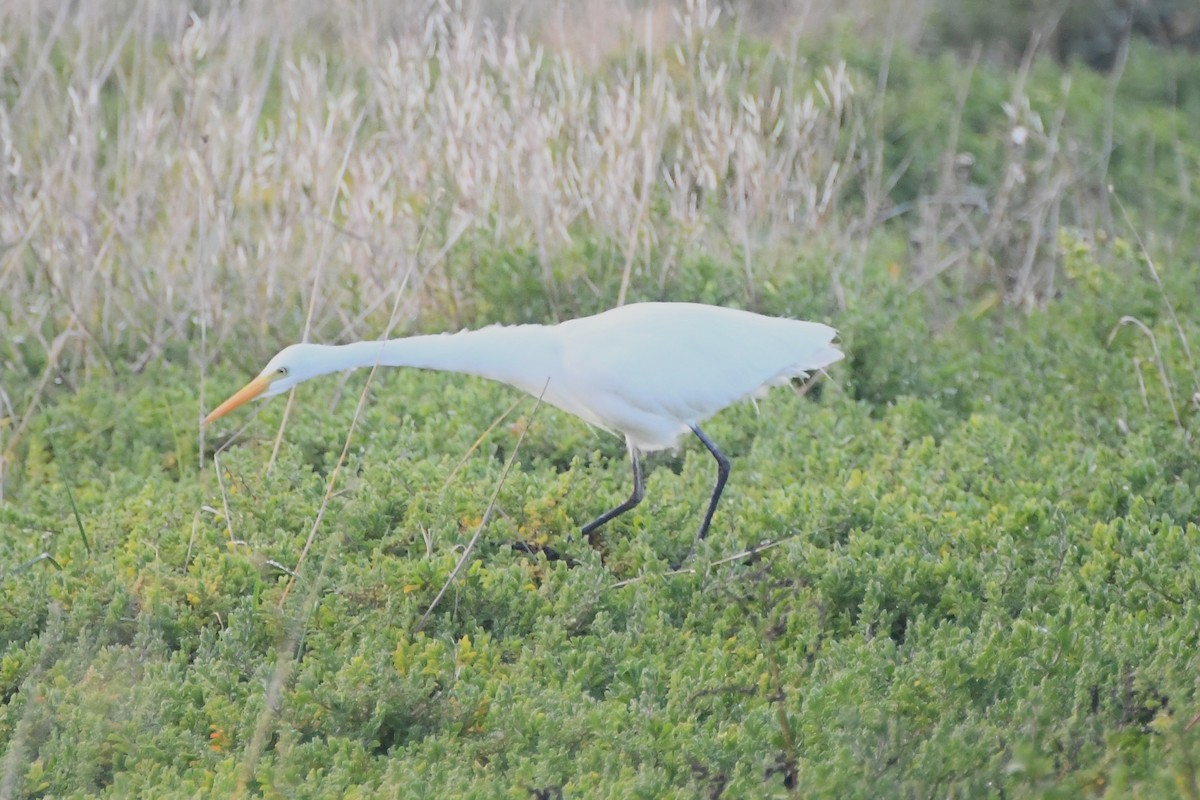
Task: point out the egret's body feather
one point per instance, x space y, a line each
648 371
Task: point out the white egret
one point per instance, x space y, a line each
648 371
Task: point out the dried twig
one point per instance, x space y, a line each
487 515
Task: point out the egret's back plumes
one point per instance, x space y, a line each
650 372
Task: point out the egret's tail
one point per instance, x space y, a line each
823 356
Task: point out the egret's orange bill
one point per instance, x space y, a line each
244 395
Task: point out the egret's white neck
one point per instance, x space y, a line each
521 355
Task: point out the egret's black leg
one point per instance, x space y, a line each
633 500
722 476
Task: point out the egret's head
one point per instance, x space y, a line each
290 366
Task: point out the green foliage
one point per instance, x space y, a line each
986 550
1091 31
1151 151
980 551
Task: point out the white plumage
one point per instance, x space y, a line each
650 372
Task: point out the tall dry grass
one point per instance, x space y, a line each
177 184
171 179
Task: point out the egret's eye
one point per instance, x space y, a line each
281 371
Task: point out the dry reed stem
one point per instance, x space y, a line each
331 484
478 441
286 653
487 515
315 290
747 553
1189 360
1163 374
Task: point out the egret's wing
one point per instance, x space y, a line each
651 370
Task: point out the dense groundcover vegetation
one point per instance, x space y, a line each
985 562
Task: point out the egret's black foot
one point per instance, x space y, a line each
675 566
550 553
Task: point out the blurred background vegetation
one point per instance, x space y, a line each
986 549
